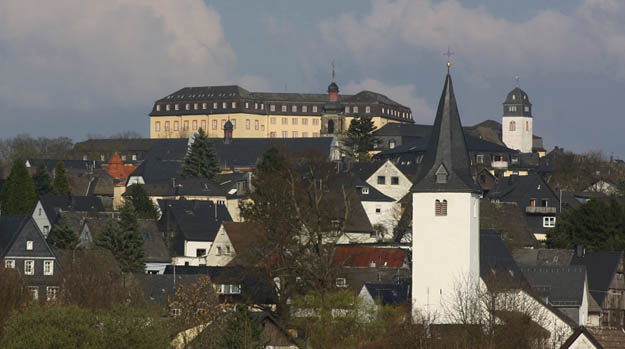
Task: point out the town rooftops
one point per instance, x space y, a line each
369 257
55 204
602 268
197 220
559 285
10 226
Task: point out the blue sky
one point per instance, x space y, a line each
74 67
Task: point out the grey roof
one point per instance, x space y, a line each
389 294
446 149
560 286
520 189
50 164
10 226
601 267
197 220
543 257
153 243
517 97
497 267
161 288
55 204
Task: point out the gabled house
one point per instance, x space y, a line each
191 227
24 247
595 338
385 294
156 256
234 240
49 208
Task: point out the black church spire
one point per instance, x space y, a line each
446 166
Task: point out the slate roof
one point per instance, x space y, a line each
196 220
10 226
561 286
50 164
520 189
446 149
601 267
363 257
160 288
243 236
543 257
497 267
153 243
54 204
389 294
509 221
420 146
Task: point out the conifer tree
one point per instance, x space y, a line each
145 208
61 183
124 240
201 160
62 236
42 180
18 192
360 139
242 331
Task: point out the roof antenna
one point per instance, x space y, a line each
449 53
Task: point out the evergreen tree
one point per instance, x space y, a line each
43 182
201 160
61 183
242 331
18 192
145 208
124 240
360 139
62 236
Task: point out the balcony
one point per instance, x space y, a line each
499 164
540 209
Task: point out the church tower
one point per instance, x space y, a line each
517 126
445 219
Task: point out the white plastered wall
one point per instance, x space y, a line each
522 137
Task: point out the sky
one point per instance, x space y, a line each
77 68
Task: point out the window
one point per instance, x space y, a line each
391 144
255 105
101 157
479 158
284 109
167 107
378 210
532 203
294 134
214 124
304 134
223 122
227 250
512 108
367 109
527 126
341 282
124 157
515 159
383 110
9 264
365 190
549 222
272 107
346 109
234 123
195 106
34 292
381 180
203 105
218 251
304 121
355 109
285 134
272 134
134 157
294 108
166 125
29 245
513 97
247 124
262 106
48 267
203 124
158 107
440 208
215 105
185 125
544 203
294 121
194 124
304 109
157 126
176 125
29 267
256 122
315 134
314 109
51 293
394 180
273 121
224 105
175 312
285 121
187 106
234 105
441 175
527 109
512 126
200 252
315 121
176 107
247 105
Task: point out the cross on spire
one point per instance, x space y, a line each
449 53
333 67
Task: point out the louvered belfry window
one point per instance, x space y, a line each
440 208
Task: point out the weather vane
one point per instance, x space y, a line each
448 54
517 78
333 67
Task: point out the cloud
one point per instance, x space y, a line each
86 55
591 39
404 94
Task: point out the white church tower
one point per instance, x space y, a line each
445 220
516 124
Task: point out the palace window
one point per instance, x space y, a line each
284 109
223 122
367 109
187 106
247 124
195 106
203 124
255 106
176 125
224 105
215 105
381 180
440 208
157 126
527 109
304 109
394 180
304 134
273 121
549 222
294 121
234 123
315 134
304 121
186 125
315 121
294 108
176 107
234 105
272 107
262 106
158 107
314 109
285 134
247 105
272 134
194 124
355 109
346 110
214 124
167 107
383 110
294 134
256 122
203 105
285 121
166 125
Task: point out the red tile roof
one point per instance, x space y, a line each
362 257
116 168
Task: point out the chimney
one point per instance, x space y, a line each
581 251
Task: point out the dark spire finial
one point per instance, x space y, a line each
449 53
333 67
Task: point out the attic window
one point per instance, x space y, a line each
365 190
29 245
341 282
441 175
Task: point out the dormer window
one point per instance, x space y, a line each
158 107
365 190
441 175
29 245
513 97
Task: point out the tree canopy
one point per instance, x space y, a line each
61 183
124 240
598 225
42 180
145 208
201 159
18 192
62 236
360 139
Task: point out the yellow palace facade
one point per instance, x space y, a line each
267 114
